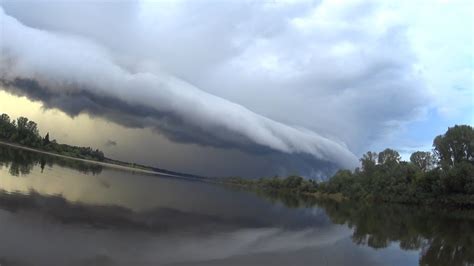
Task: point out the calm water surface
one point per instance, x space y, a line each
62 212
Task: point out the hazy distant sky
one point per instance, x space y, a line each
242 87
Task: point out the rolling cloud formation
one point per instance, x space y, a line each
76 75
304 78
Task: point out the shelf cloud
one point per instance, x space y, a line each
76 76
305 79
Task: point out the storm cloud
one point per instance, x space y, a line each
305 78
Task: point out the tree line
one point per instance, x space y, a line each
25 132
443 236
445 175
21 162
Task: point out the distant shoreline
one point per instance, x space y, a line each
111 165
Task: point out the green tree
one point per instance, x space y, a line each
26 132
292 182
32 128
46 139
389 157
455 146
7 128
423 160
459 179
4 119
368 161
340 182
21 123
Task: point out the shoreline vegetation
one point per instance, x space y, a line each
442 177
24 134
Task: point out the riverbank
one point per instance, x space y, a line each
106 164
308 190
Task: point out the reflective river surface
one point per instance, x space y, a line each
56 211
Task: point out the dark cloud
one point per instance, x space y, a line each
288 80
135 116
76 76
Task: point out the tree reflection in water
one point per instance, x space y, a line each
443 236
21 162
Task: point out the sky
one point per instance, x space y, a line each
240 87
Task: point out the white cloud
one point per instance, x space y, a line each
72 65
347 71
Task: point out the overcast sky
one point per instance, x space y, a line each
314 81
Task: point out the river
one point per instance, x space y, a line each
56 211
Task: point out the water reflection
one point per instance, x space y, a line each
443 236
55 211
83 234
21 162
